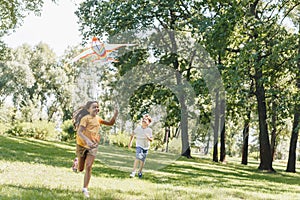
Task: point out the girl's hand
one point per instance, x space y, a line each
116 110
90 144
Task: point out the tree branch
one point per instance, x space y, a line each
185 8
233 50
289 11
253 9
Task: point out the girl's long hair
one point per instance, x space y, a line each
80 113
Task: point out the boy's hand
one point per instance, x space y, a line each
148 138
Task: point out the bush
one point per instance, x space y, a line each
68 132
156 144
175 146
42 130
3 128
254 155
121 139
16 130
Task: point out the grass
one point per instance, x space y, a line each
34 169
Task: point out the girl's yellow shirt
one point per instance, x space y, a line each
92 127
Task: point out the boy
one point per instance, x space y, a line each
143 136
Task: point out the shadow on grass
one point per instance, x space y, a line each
31 192
184 172
205 172
51 153
36 151
101 170
123 158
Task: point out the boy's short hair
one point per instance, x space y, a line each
147 116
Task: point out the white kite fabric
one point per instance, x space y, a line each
101 51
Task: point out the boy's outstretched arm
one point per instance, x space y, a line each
149 138
130 141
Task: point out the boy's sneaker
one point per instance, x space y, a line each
140 174
132 174
85 193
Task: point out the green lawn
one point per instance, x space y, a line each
34 169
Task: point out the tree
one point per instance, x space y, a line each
12 12
39 86
291 166
157 15
253 46
246 40
256 42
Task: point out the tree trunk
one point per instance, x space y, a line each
13 116
291 166
185 150
221 111
246 138
223 133
167 136
274 130
264 143
206 149
216 129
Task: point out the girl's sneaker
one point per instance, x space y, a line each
85 192
75 165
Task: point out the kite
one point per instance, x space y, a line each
100 50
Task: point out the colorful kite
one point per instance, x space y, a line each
100 50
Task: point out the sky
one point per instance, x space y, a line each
57 26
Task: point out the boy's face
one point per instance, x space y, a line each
93 109
145 121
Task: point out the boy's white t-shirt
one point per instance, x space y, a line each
141 139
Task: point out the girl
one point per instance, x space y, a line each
87 123
143 136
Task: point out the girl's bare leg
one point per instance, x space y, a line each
81 162
88 169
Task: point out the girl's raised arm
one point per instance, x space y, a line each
112 120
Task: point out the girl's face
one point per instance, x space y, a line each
93 109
